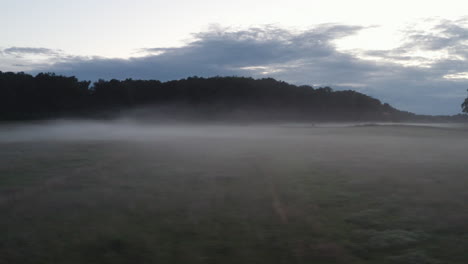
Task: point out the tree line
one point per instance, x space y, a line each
47 95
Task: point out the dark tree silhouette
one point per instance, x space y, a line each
465 106
46 95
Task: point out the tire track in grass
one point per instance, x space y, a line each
276 202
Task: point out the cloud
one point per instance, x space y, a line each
406 77
440 40
27 58
29 50
254 51
446 35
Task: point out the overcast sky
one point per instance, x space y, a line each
411 54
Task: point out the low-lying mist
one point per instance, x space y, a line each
143 130
126 190
359 145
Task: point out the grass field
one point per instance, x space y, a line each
125 193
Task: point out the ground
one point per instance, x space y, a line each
233 194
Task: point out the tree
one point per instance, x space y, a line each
46 95
465 105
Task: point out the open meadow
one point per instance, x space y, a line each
123 192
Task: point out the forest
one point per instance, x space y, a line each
47 95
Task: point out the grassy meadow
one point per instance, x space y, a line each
84 192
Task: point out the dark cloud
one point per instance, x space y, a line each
29 50
221 52
306 57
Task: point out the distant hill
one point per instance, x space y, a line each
46 95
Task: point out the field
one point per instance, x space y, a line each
87 192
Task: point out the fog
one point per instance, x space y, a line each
359 145
165 192
381 147
137 130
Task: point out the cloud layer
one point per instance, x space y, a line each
28 50
427 74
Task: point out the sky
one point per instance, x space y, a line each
411 54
